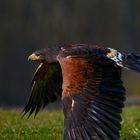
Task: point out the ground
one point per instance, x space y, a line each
48 125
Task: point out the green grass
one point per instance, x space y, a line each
131 123
48 125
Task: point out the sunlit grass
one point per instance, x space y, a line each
48 125
131 123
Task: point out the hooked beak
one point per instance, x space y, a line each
33 57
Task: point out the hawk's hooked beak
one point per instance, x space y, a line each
33 57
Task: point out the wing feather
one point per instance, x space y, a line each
46 87
92 110
124 59
93 93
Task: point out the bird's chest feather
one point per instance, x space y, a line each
75 74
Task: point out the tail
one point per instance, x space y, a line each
126 60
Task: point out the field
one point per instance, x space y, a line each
48 125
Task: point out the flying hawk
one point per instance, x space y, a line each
88 80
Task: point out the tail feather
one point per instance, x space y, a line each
131 61
126 60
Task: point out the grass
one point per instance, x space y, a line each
131 123
48 125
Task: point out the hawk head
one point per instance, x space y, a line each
48 54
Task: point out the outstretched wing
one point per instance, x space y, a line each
92 97
46 87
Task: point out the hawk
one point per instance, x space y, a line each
88 80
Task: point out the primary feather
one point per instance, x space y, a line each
89 78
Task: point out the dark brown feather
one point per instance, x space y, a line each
92 103
92 90
46 87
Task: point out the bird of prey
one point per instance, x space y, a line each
88 80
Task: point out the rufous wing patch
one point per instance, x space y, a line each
75 74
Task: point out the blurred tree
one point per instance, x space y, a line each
31 24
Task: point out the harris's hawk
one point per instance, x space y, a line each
88 80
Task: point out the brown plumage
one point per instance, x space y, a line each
89 78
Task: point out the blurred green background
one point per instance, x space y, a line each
26 25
